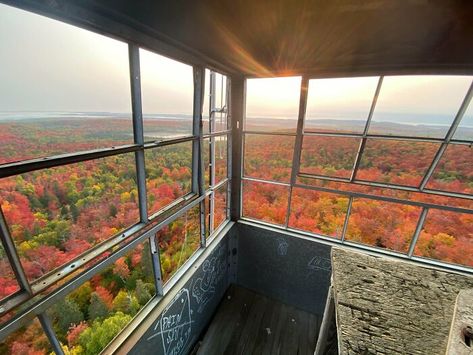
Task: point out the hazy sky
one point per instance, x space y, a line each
46 65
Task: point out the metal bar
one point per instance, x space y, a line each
12 255
347 217
386 198
212 106
26 166
50 333
229 146
43 304
138 133
296 158
386 185
167 142
374 136
286 184
156 261
217 134
420 225
198 159
238 105
448 137
361 148
269 133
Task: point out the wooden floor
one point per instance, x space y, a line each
249 323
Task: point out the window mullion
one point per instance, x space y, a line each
12 255
50 333
296 159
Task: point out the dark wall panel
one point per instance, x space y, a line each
289 269
186 315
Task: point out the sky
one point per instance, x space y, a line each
47 65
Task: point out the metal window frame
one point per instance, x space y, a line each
144 230
296 173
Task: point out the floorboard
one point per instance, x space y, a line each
249 323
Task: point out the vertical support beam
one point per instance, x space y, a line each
361 148
48 329
347 216
228 112
138 138
213 108
12 255
448 137
197 147
237 99
420 225
296 158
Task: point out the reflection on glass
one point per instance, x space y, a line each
420 106
29 339
168 174
395 161
56 214
268 157
318 212
220 158
8 284
272 104
329 156
220 213
465 128
220 119
63 89
264 201
454 171
382 224
447 236
178 241
340 104
168 97
88 318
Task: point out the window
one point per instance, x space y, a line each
167 94
168 174
56 214
178 241
8 282
418 106
339 105
272 104
56 97
373 154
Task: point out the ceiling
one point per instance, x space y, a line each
320 38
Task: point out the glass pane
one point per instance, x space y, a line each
447 236
385 191
29 339
339 105
329 156
88 318
167 95
264 201
268 157
220 212
318 212
455 170
382 224
420 106
56 214
272 104
178 241
220 119
465 129
220 158
63 89
168 174
395 161
8 284
206 104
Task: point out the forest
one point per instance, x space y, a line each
54 215
446 236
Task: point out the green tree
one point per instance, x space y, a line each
81 296
143 292
64 314
97 307
95 338
126 303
